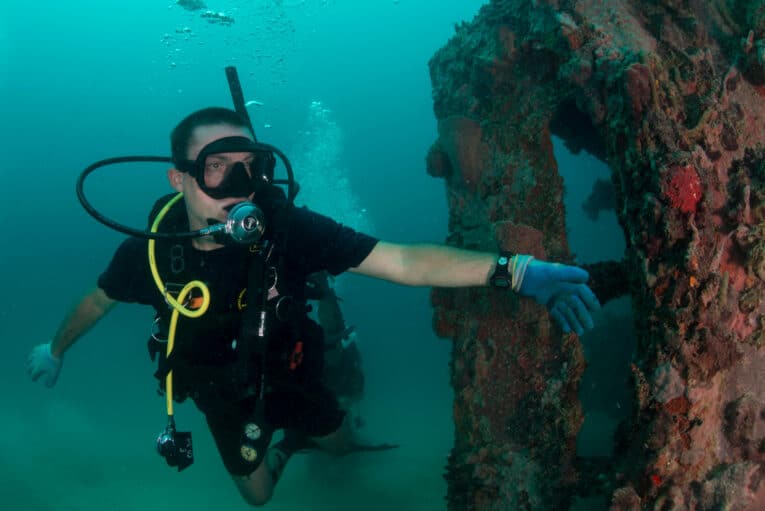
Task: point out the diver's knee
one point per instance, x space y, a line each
256 489
257 499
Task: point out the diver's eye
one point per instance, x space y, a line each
215 170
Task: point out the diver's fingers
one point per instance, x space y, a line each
588 298
35 373
568 273
570 315
558 315
50 379
580 311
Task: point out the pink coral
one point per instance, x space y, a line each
684 188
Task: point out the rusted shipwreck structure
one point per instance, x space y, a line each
671 95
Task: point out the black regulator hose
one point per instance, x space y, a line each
140 233
292 190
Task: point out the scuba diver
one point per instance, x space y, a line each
237 339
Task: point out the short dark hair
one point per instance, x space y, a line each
180 137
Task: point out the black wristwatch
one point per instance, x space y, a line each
502 278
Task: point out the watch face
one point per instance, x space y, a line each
502 260
248 453
252 431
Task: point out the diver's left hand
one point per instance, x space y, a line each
42 362
563 289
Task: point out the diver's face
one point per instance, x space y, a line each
199 205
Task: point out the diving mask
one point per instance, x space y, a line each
220 177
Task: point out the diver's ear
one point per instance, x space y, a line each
175 177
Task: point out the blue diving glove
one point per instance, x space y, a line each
41 362
562 288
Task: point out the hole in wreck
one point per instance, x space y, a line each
576 131
594 235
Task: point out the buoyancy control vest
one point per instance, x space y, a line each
256 333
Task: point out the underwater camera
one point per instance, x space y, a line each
175 447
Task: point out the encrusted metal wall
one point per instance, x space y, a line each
670 95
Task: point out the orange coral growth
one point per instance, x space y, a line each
684 189
678 406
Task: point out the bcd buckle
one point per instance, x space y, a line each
296 358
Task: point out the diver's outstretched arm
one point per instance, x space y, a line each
92 307
561 288
45 359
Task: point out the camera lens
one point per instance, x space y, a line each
165 444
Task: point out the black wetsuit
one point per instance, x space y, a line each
295 399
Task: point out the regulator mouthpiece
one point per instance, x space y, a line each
245 224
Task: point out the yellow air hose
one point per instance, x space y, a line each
177 305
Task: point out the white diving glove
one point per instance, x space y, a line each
41 362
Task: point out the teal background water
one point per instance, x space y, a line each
85 80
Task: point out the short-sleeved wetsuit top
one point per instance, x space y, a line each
203 349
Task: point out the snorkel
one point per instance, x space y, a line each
245 225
